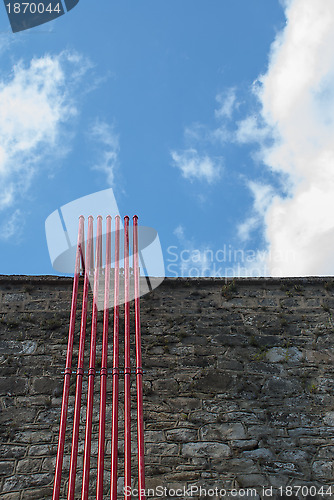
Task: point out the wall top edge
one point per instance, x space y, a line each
16 278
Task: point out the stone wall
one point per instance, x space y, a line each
238 387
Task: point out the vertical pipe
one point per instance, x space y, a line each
91 371
115 380
78 393
104 368
127 369
82 256
139 369
68 367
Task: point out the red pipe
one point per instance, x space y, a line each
127 369
68 366
139 369
78 394
91 371
115 380
104 368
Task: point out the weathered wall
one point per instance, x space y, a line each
238 392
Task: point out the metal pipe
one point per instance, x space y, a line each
80 366
82 257
104 367
139 369
115 380
68 366
127 369
91 371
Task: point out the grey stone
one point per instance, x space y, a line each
213 381
329 418
154 436
12 451
244 444
20 482
181 435
6 467
222 432
37 494
13 386
279 354
28 465
207 449
14 297
11 496
13 347
161 449
264 453
294 455
269 420
323 470
246 480
282 387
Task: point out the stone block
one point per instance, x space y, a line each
46 385
222 432
28 465
13 386
323 470
15 347
281 387
262 453
329 418
326 452
180 403
161 449
21 482
7 467
166 384
11 450
212 450
42 450
244 444
37 494
281 354
214 381
11 496
255 480
14 297
182 435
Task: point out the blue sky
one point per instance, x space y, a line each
210 120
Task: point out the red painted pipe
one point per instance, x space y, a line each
139 369
78 393
68 366
115 380
91 371
104 367
127 369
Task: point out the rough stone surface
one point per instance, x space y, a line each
238 385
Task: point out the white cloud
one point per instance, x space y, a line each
104 135
263 195
195 166
12 227
179 232
7 40
293 131
249 130
227 103
36 102
297 103
245 228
